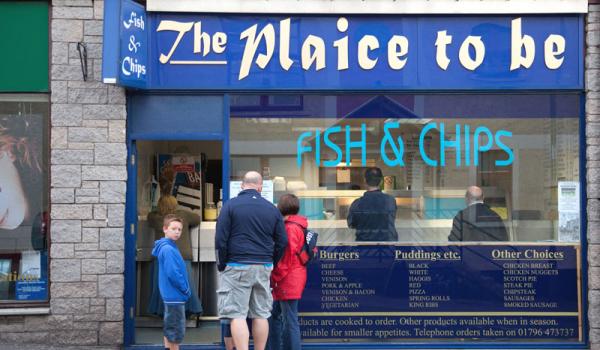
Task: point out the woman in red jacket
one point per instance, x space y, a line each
288 280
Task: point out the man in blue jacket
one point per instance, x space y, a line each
173 281
250 239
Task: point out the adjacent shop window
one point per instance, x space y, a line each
23 198
472 234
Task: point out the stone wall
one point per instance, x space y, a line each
592 82
88 180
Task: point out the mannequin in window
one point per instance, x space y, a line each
167 204
477 222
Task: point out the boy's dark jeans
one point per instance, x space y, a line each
284 329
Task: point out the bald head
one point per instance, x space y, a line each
474 195
252 180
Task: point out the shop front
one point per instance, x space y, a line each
459 112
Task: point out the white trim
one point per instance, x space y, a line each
109 80
25 311
371 6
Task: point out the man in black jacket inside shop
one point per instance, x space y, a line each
250 239
477 222
374 214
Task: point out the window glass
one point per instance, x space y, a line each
23 198
517 149
440 216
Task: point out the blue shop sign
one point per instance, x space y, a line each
443 291
133 60
209 52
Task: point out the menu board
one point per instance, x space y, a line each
477 292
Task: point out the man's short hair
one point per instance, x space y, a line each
288 204
169 218
373 176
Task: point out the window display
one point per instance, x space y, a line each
23 198
465 205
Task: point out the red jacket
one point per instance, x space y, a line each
289 276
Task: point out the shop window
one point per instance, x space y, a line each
519 154
23 199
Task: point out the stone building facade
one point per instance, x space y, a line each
88 187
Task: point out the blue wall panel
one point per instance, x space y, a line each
175 116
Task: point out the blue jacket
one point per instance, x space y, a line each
172 274
250 230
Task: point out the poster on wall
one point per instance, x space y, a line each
568 211
235 187
23 202
180 176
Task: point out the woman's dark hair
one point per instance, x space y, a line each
288 204
373 176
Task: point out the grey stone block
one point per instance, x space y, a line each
593 190
116 215
92 325
94 50
74 290
94 223
46 323
65 270
88 95
72 3
85 247
58 91
58 138
72 157
112 239
94 123
593 153
76 337
116 95
67 71
65 231
593 175
111 333
114 112
88 135
72 12
114 309
100 212
89 254
62 251
81 145
66 114
71 211
89 278
110 286
112 191
594 278
19 337
60 53
110 154
104 172
87 192
592 79
67 30
592 38
98 302
90 235
115 261
90 184
593 233
92 27
65 175
93 266
116 131
62 195
93 39
109 112
87 200
99 9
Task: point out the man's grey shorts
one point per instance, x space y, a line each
245 291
